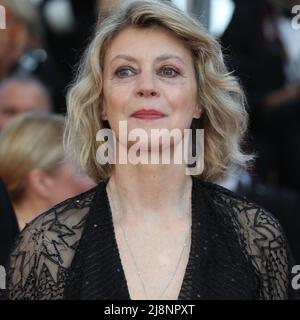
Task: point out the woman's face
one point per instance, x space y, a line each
149 69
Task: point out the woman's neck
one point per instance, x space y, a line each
151 193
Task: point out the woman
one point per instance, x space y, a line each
150 231
33 166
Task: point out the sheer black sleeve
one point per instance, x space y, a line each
264 244
44 251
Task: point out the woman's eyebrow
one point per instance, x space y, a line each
124 57
170 56
162 57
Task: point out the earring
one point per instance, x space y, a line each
198 112
104 116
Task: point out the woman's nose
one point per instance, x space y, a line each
146 87
146 93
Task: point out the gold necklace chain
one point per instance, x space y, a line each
135 263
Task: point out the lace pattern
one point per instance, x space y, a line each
263 242
238 251
45 249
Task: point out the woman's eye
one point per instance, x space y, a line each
169 72
124 72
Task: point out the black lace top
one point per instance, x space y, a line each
238 251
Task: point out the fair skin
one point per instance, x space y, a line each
150 68
44 190
19 97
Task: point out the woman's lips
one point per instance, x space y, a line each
148 114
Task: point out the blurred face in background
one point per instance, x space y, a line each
13 41
19 97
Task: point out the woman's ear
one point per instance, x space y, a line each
198 112
40 183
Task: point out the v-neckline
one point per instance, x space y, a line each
189 267
96 272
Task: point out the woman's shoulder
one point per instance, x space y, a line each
238 205
261 238
45 248
255 223
65 211
64 220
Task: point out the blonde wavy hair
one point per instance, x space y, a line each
31 140
224 119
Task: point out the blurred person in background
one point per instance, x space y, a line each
23 50
264 51
22 42
33 166
47 40
22 94
23 30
